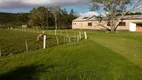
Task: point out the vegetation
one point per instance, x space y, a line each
13 42
51 16
110 9
41 17
134 13
38 17
13 19
98 58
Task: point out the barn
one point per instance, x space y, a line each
130 23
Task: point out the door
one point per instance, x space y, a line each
139 28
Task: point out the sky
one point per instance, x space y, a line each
16 6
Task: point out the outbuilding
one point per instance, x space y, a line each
130 23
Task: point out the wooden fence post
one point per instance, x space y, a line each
57 40
69 39
44 41
79 35
26 42
55 32
78 38
85 35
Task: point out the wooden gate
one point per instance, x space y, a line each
139 28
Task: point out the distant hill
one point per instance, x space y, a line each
13 18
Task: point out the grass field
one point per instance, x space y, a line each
12 41
103 56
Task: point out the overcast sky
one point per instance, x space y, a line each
13 4
80 6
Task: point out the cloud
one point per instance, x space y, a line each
12 4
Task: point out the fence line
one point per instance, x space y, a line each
67 37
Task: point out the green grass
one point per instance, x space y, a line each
14 41
127 44
101 57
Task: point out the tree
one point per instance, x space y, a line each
38 17
72 12
13 19
72 15
63 20
47 16
41 17
114 11
55 14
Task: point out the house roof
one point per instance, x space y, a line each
133 17
93 18
85 18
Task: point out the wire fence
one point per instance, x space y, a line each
27 42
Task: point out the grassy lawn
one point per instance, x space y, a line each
101 57
127 44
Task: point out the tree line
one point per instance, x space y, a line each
41 17
13 19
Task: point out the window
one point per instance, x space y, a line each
74 23
122 24
89 24
139 25
108 24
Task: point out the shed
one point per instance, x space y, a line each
130 23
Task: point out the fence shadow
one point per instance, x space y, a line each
21 73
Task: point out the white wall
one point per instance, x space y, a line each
132 27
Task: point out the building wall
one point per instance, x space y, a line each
84 25
96 26
133 25
126 27
77 25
